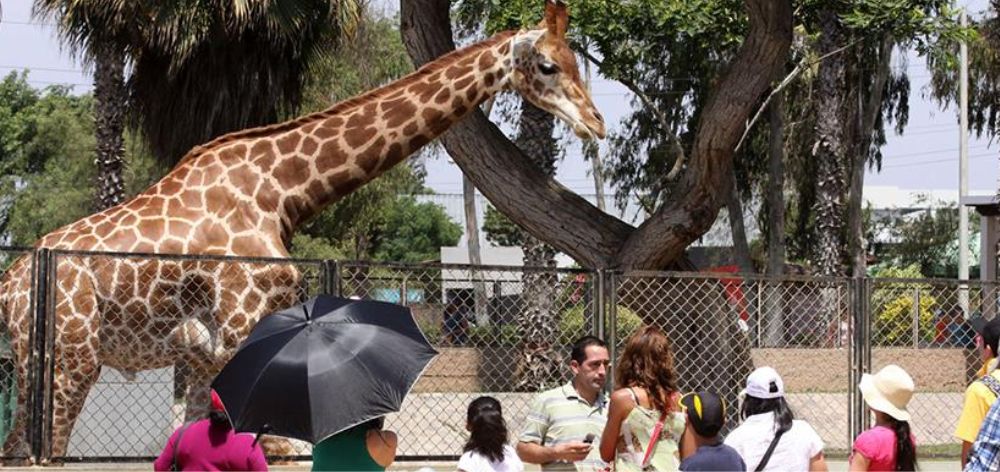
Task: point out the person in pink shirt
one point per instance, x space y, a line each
211 444
889 445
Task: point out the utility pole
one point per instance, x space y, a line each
963 167
592 150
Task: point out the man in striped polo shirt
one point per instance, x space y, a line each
562 420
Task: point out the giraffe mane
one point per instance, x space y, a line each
427 69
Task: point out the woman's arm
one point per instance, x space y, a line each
382 446
859 463
621 405
818 464
166 457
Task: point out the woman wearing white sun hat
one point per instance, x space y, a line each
888 445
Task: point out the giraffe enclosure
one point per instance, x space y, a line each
138 408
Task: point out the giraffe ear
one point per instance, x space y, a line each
525 42
556 17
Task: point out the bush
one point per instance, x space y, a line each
892 304
572 324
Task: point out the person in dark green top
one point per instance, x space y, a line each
361 448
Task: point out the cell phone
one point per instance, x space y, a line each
589 439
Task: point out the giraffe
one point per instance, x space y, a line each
244 194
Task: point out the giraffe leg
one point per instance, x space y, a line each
76 356
71 383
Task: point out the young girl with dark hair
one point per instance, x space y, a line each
770 438
487 449
889 445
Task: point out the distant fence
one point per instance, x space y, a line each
820 333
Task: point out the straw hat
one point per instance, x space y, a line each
888 391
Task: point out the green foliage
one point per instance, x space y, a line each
984 71
256 55
47 157
415 232
572 324
927 241
500 230
893 308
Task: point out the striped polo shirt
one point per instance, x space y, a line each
561 415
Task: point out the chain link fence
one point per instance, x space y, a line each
162 325
921 325
501 331
722 326
19 264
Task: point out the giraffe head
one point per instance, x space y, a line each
546 74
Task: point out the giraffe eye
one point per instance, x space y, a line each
548 68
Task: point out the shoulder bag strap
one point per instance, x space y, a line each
174 465
653 437
992 383
770 449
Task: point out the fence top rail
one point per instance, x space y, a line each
936 282
15 249
731 276
452 266
192 257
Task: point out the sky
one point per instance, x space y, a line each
924 157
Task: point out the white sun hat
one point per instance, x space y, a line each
889 391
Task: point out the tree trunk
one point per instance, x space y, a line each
597 240
774 305
829 149
541 363
110 104
869 111
741 248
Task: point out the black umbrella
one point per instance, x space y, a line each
318 368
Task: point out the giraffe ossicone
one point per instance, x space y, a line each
244 194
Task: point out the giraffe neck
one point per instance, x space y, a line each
355 141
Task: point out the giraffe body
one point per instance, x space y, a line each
244 194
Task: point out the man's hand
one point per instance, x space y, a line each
572 451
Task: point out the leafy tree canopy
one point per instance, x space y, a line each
47 159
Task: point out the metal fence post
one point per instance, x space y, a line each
402 291
916 317
331 277
37 362
612 339
598 302
858 299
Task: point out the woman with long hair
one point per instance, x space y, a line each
645 422
770 438
487 449
889 445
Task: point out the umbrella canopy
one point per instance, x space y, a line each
318 368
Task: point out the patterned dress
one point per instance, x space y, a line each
635 432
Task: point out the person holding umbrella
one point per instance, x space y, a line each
364 447
327 372
211 444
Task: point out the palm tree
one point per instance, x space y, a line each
539 360
231 64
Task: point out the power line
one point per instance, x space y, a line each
43 69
